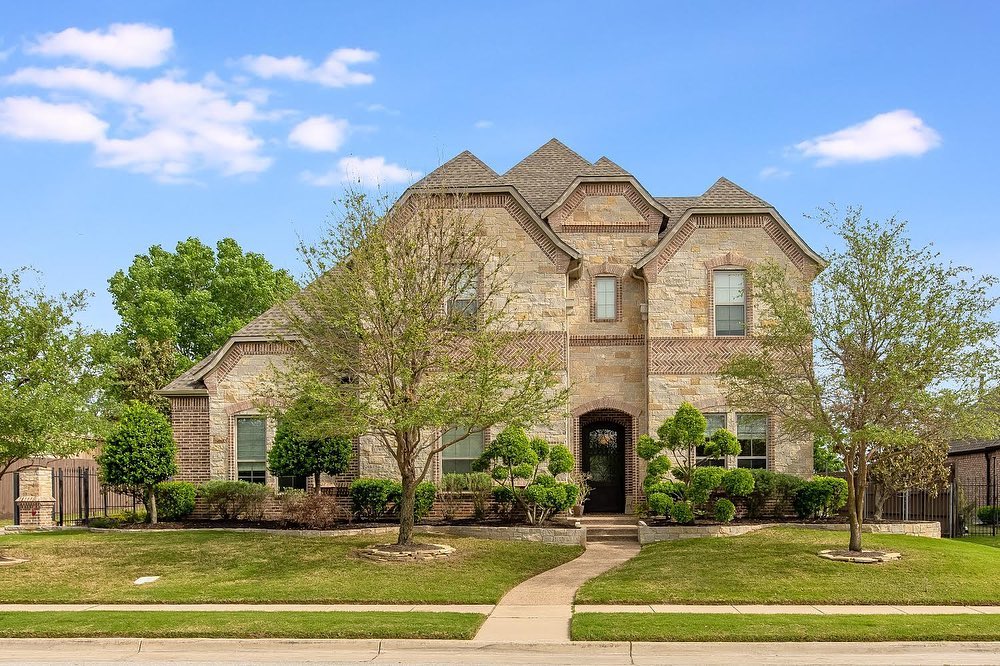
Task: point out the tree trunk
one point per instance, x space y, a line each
881 497
407 505
316 482
151 505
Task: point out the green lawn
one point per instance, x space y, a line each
984 540
221 567
780 565
748 628
238 624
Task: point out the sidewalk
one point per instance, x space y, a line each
276 651
540 608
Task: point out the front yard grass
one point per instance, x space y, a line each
984 540
781 565
751 628
238 624
241 567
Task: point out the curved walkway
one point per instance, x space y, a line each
539 610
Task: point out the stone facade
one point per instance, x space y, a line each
564 223
34 500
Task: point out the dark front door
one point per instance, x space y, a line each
604 459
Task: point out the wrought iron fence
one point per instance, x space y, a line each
80 496
957 507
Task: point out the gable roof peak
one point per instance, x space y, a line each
724 193
463 170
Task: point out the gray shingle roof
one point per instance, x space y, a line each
973 446
727 194
544 175
187 381
463 170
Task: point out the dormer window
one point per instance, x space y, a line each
606 298
730 302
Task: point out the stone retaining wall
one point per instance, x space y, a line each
647 534
560 536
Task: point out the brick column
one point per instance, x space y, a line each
35 501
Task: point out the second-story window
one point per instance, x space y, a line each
730 302
466 298
606 298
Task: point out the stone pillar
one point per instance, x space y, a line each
35 501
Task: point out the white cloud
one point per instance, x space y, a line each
320 133
334 72
886 135
483 124
365 171
122 45
101 84
774 173
30 118
380 108
171 129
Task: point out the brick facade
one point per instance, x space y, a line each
635 369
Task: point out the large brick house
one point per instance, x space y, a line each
641 297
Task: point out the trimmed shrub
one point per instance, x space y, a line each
370 498
504 498
454 483
703 482
725 511
424 500
989 515
560 460
313 511
659 504
768 486
235 500
682 513
295 454
738 482
481 487
175 499
821 497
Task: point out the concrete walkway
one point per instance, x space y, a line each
540 609
278 651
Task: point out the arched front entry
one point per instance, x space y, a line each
604 447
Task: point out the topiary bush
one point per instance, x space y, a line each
738 482
175 499
659 504
682 513
704 481
820 498
989 515
296 453
370 498
235 500
768 486
725 511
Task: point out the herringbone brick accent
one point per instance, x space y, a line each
540 345
694 356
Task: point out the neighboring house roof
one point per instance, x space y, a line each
973 446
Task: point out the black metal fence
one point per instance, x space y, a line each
957 507
80 496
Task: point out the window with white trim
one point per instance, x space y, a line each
714 422
458 457
730 302
605 298
751 431
251 449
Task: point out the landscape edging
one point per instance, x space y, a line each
559 536
929 529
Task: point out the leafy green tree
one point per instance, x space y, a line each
825 459
299 451
135 371
139 454
892 349
408 329
195 297
47 376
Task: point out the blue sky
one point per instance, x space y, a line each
124 125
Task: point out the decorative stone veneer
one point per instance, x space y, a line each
647 534
560 536
606 207
35 501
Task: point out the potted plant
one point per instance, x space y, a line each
581 479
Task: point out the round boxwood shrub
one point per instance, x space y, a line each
659 504
725 511
703 482
738 482
820 498
989 515
175 499
682 513
370 498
